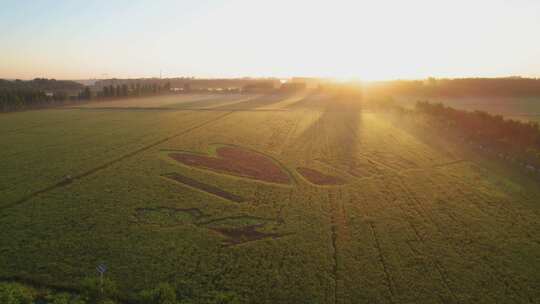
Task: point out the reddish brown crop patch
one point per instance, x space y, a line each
318 178
238 162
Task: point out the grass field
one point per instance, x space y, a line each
298 198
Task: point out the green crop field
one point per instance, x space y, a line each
209 190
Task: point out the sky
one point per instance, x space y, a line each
344 39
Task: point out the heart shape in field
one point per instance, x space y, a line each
238 162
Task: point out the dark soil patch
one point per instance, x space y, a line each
238 162
318 178
242 229
204 187
243 235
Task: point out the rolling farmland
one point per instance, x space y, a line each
284 198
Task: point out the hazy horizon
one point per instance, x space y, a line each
368 40
407 170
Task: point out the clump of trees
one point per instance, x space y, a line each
511 139
134 89
93 291
19 94
41 84
40 92
182 293
16 293
15 99
12 293
461 87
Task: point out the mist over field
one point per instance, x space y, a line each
246 152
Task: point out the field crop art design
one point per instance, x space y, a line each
318 178
322 197
270 152
236 161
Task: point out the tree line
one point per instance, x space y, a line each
41 84
16 99
19 94
40 92
461 87
124 90
513 140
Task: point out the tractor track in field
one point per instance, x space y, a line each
382 260
334 230
339 234
497 272
86 139
499 276
110 163
415 205
169 109
440 270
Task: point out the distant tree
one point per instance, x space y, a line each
162 294
520 140
106 91
12 293
87 93
125 90
94 292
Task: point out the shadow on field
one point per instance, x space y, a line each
416 127
312 101
258 102
333 140
219 101
333 137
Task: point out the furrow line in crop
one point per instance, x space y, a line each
66 182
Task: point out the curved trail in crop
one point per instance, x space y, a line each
109 163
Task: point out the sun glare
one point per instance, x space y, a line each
371 40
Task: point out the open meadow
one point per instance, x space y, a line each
302 197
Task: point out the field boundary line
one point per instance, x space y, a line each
166 109
382 260
109 163
334 242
